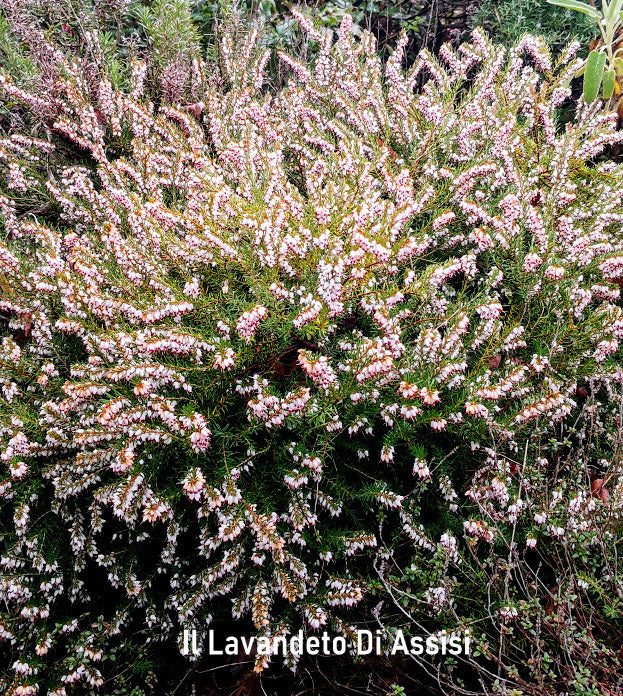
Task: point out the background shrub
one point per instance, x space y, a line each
508 21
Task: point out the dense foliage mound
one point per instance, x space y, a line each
289 355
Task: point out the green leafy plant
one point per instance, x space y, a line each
604 67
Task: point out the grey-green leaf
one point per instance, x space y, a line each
593 74
577 6
608 86
614 10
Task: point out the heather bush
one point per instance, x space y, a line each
99 36
345 354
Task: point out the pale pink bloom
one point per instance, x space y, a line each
387 454
200 438
318 369
143 388
508 613
473 408
420 467
191 288
18 469
554 272
249 321
155 510
532 262
193 483
225 358
429 396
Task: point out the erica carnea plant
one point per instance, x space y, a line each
259 346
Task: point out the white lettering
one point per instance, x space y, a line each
400 644
361 650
